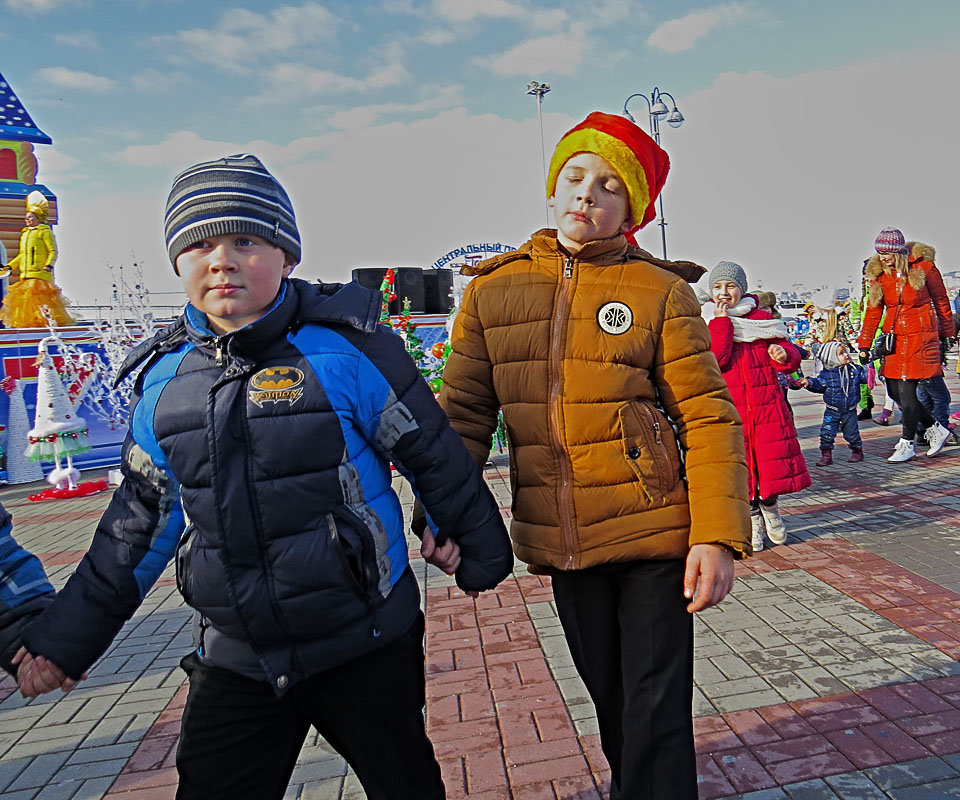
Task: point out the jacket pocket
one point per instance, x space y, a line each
511 463
650 448
349 541
182 562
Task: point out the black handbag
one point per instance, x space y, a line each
886 344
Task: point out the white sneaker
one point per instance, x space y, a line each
904 451
776 529
756 527
937 437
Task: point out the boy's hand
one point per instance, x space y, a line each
777 353
38 675
864 356
720 308
446 557
709 576
804 383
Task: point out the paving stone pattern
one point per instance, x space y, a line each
830 672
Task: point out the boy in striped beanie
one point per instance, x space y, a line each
597 353
263 426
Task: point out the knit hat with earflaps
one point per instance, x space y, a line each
639 161
235 194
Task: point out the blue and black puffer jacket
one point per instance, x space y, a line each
262 458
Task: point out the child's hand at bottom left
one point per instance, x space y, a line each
38 675
709 576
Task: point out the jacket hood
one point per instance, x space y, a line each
917 278
299 302
603 251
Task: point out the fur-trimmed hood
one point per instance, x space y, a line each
917 278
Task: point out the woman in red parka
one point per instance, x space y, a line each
904 281
751 348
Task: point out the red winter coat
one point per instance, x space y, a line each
774 461
918 312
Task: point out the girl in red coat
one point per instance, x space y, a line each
751 348
904 281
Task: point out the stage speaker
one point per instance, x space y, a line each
438 291
409 283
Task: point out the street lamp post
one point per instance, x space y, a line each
539 90
656 108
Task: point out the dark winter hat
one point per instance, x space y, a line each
235 194
890 240
728 271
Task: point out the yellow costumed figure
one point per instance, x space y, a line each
34 263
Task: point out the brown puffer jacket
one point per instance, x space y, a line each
578 351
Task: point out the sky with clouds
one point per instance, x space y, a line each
402 130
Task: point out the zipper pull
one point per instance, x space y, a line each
656 428
219 351
568 268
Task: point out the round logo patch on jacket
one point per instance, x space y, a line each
615 318
276 385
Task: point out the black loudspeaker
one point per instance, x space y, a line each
437 291
409 284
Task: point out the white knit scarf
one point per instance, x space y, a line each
750 330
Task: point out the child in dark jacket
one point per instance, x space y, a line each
839 382
24 592
263 426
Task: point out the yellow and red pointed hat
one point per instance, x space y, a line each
639 161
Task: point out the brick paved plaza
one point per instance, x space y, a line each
832 671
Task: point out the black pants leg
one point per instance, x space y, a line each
240 741
237 740
904 393
632 643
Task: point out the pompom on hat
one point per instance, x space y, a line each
639 161
729 271
890 240
231 195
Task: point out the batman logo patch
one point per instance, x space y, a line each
276 385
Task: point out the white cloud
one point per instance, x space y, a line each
293 83
154 81
243 37
84 40
389 75
364 116
682 33
561 54
36 6
77 80
467 10
793 178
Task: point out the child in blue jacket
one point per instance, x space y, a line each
263 426
839 382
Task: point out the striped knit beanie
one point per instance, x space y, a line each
235 194
639 161
890 240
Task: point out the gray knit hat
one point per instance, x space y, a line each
728 271
235 194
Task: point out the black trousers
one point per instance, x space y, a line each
239 740
904 394
631 638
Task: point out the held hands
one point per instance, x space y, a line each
864 357
709 576
445 557
37 675
777 353
804 383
